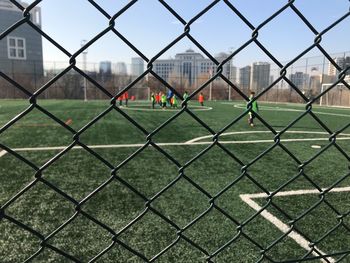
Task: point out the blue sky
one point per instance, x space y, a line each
150 27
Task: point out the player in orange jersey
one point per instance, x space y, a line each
201 99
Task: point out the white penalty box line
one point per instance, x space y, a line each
299 239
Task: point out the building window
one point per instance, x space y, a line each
16 48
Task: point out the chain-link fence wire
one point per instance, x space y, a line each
312 254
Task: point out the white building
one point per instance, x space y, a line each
191 65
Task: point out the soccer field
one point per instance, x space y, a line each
152 190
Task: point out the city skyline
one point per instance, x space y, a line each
317 61
191 61
152 33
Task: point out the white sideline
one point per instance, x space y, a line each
248 199
113 146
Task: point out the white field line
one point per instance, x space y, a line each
114 146
248 199
268 108
271 141
252 132
299 105
315 105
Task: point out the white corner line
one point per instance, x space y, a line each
299 239
2 153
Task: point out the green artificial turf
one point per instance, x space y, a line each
202 198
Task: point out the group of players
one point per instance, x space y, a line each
125 96
170 99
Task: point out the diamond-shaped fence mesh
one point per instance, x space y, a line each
146 219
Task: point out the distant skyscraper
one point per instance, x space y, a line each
299 79
233 74
260 76
244 78
346 65
342 62
228 69
106 67
120 68
332 71
137 66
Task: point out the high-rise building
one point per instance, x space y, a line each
229 70
21 50
137 66
244 78
106 67
347 65
299 79
260 76
233 74
120 68
342 62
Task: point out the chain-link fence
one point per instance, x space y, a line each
238 231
